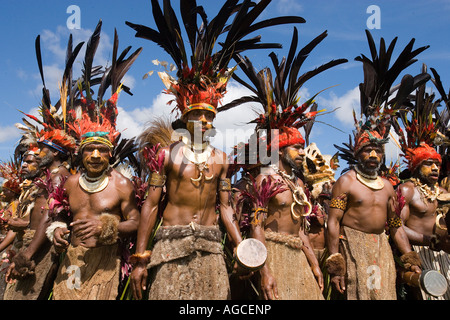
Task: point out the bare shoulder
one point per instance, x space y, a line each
120 179
389 187
72 180
348 177
407 189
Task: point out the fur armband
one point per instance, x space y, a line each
395 222
157 180
52 227
23 266
410 259
110 231
335 264
140 258
225 184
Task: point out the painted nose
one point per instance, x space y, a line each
434 167
373 154
95 154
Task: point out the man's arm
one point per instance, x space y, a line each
336 213
147 221
269 286
335 263
227 213
130 211
409 258
311 257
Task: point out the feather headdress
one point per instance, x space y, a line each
279 95
11 173
420 122
203 75
442 138
377 104
54 132
94 119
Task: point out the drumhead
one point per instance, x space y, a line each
251 254
433 283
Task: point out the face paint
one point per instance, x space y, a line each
45 157
30 167
294 155
429 171
199 122
96 159
369 159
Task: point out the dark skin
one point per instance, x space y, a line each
117 199
367 209
187 201
39 219
317 230
11 198
28 170
419 215
280 220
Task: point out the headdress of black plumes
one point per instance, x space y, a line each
378 104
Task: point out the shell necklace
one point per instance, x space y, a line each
426 191
371 181
200 159
93 185
298 194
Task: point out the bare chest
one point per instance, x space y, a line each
106 201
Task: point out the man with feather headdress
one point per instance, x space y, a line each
9 197
278 192
187 258
361 263
51 148
423 223
95 208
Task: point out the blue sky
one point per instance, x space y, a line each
345 20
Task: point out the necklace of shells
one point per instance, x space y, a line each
93 185
200 159
298 194
426 191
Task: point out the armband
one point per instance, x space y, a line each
24 267
410 259
109 229
140 258
335 264
394 222
225 184
434 243
338 203
157 180
258 215
50 231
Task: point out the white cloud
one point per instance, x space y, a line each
232 125
9 133
289 7
346 104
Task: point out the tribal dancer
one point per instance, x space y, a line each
11 190
98 208
279 200
361 262
35 265
187 257
423 224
